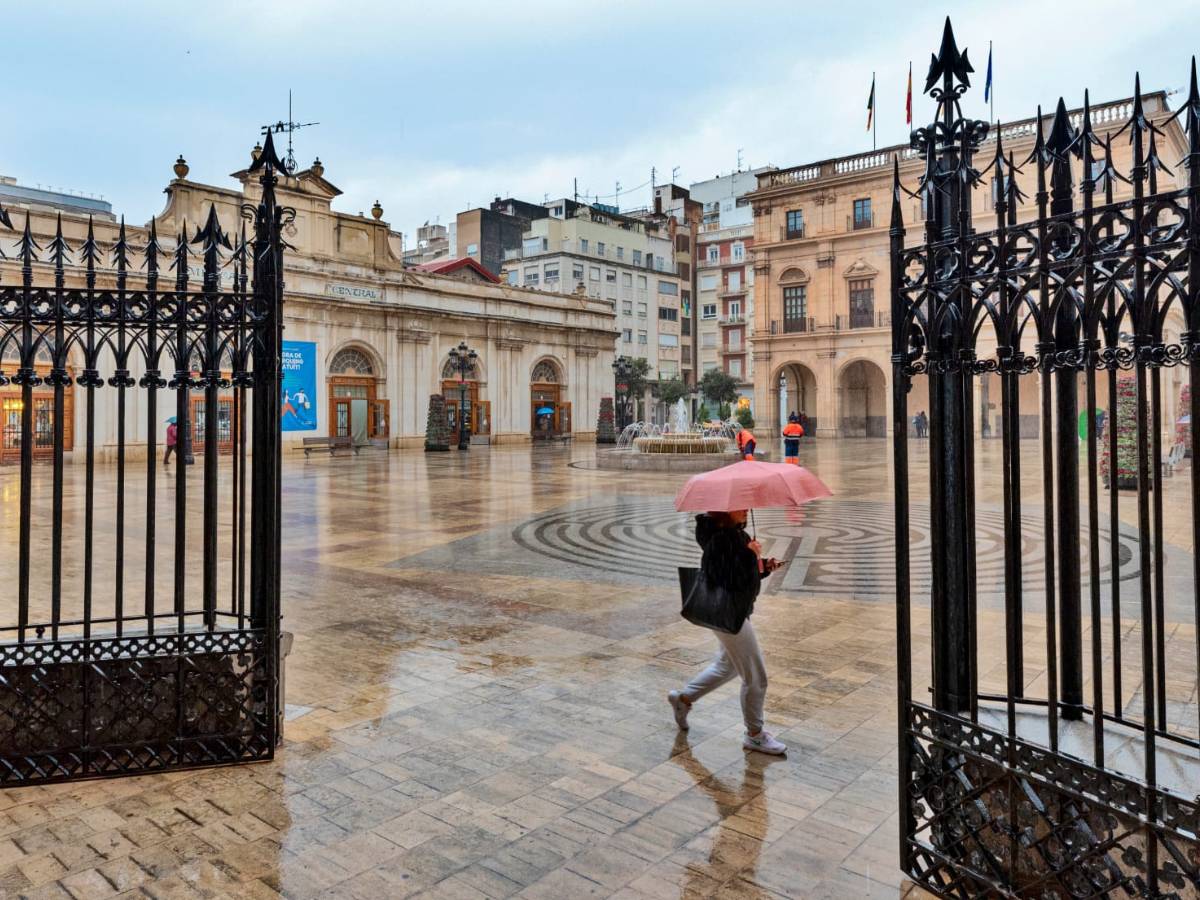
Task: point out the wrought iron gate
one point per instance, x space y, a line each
1013 788
141 627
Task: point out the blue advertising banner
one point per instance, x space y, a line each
299 408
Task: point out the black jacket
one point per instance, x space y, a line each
728 560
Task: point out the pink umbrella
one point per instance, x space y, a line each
750 485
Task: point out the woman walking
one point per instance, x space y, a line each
733 560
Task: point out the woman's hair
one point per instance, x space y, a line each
724 520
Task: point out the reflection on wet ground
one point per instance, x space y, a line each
476 704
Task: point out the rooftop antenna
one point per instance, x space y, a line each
617 202
739 165
653 172
288 127
674 174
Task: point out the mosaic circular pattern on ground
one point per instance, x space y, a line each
838 547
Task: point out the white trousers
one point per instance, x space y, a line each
738 656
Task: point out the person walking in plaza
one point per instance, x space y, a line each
746 444
172 439
803 420
733 561
792 432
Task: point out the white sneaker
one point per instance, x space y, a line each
764 742
681 707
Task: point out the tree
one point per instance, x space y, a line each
606 432
745 417
718 386
437 426
702 414
1125 421
671 391
638 380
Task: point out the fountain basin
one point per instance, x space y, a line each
681 443
666 461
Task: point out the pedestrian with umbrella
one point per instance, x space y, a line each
172 440
720 595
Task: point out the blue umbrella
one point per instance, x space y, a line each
171 421
545 411
1185 420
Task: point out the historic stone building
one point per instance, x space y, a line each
373 336
822 328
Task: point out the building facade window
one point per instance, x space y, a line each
599 248
577 271
642 338
862 304
708 282
708 341
626 279
594 273
667 314
669 288
620 253
531 277
734 341
627 335
708 311
533 246
643 310
550 273
583 245
627 308
514 277
735 281
795 224
735 309
610 275
735 368
637 257
714 253
668 340
472 249
795 308
739 252
862 213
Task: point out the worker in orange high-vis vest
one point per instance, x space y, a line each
746 444
792 432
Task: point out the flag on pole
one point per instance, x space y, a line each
908 100
871 103
987 87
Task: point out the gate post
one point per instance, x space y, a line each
947 147
265 471
1066 337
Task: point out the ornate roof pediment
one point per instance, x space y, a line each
860 268
793 275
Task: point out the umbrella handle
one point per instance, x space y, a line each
753 527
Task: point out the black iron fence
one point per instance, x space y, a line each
1052 769
141 625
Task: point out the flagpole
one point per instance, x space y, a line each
991 87
874 117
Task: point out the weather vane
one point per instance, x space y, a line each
289 126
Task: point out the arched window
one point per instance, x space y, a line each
351 361
450 371
545 372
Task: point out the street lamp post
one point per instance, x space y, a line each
622 368
462 360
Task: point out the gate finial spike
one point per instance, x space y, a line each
59 247
27 245
1154 163
267 156
153 250
121 249
1063 137
90 251
948 61
211 236
1039 154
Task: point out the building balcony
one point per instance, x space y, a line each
858 320
790 234
805 325
732 292
735 349
858 223
733 320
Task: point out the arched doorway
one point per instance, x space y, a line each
12 408
355 409
798 394
862 390
550 414
454 389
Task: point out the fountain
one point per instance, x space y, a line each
678 446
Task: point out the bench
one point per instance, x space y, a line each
331 444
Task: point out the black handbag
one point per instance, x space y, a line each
711 605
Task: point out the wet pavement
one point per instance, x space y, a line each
476 701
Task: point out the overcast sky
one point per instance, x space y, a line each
433 108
